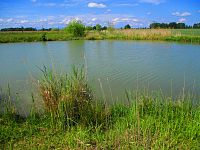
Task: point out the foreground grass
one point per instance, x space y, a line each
179 35
74 120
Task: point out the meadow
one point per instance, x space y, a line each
179 35
72 118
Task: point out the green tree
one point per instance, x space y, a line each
173 25
76 28
196 26
181 26
104 28
127 26
98 27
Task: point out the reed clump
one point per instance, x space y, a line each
67 97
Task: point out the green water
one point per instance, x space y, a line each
117 65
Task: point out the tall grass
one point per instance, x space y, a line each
74 119
148 34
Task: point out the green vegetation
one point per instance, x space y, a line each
76 28
89 33
74 119
127 26
8 37
173 25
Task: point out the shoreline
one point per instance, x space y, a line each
132 34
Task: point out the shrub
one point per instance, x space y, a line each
76 28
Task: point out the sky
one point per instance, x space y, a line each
58 13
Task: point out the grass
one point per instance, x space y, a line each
179 35
8 37
74 119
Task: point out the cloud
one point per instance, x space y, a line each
198 11
128 20
23 21
33 1
96 5
9 20
181 20
94 19
184 14
63 20
155 2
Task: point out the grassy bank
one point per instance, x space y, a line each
179 35
34 36
190 36
74 119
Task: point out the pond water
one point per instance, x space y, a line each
118 65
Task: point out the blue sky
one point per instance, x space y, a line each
58 13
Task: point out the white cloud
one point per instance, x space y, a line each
9 20
156 2
23 21
128 20
94 19
181 20
184 14
96 5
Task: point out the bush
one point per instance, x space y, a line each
76 28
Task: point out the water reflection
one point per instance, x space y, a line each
118 65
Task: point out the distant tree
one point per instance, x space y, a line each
181 26
127 26
76 28
155 25
164 25
196 26
98 27
94 27
19 29
173 25
104 28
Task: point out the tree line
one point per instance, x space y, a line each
26 29
98 27
173 25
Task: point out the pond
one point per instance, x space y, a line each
117 65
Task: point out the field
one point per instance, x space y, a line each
180 35
34 36
73 119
